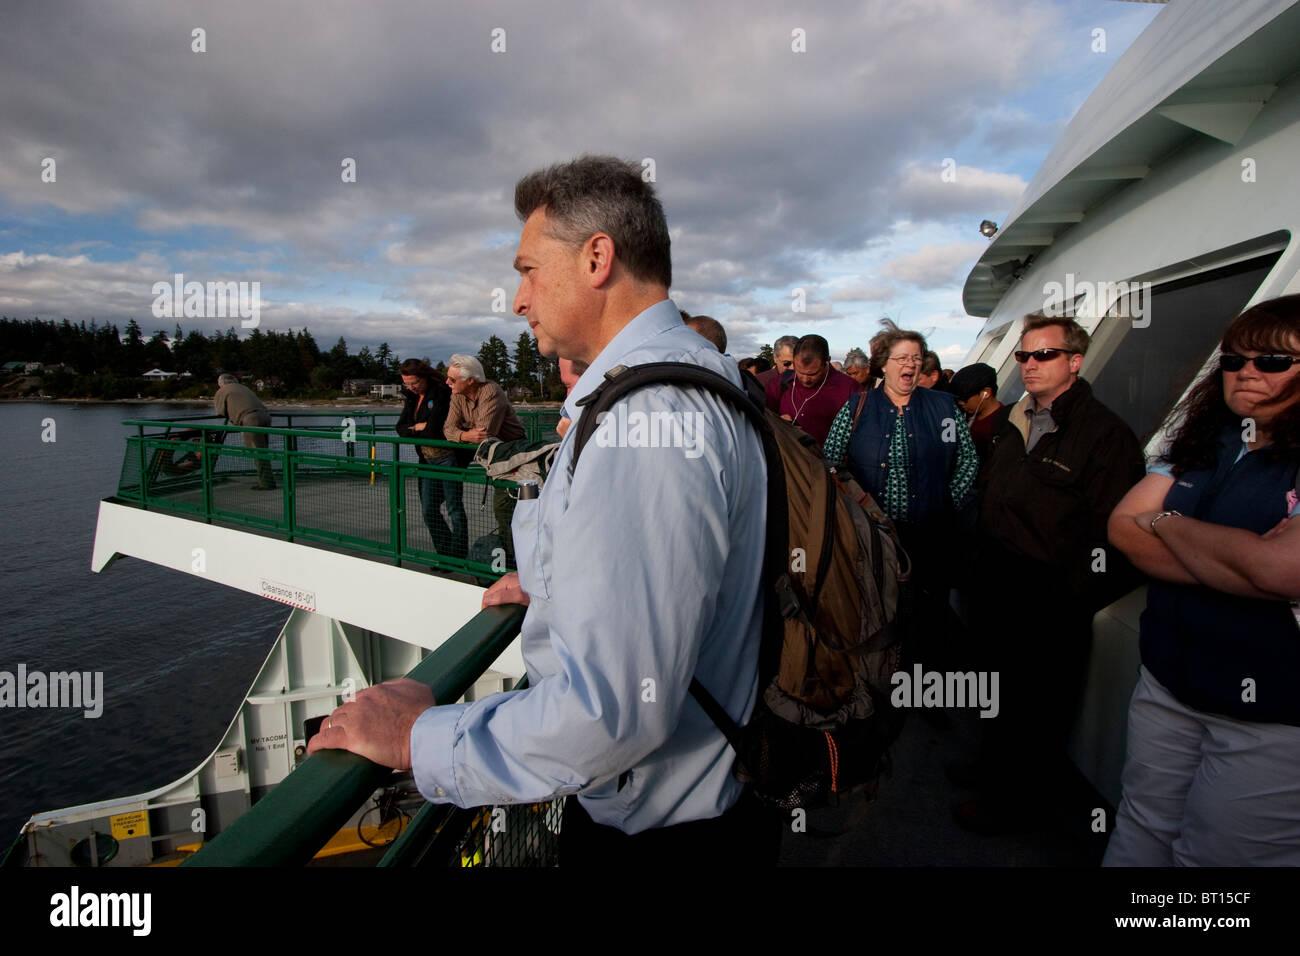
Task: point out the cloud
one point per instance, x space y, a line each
934 267
865 292
949 355
769 162
925 194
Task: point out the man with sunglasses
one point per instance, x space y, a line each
1058 463
782 361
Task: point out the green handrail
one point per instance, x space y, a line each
191 494
432 833
292 822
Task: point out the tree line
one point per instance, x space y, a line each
99 361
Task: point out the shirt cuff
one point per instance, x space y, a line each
433 739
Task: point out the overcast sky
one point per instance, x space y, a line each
818 169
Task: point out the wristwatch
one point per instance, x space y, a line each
1162 514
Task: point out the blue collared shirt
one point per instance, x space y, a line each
642 571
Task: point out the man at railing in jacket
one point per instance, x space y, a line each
640 570
241 407
481 410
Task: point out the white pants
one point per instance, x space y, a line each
1205 790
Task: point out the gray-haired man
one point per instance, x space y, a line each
480 410
641 570
241 407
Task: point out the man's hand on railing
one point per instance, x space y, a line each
505 591
377 724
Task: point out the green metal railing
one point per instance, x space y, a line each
292 822
337 485
444 835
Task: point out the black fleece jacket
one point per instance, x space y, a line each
432 410
1043 513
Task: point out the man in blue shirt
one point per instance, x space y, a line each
640 571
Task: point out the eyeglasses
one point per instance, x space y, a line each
789 364
1040 355
1232 362
906 359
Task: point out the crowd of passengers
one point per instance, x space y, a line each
1021 522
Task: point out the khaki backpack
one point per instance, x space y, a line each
835 580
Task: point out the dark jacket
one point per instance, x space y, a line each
432 410
930 459
1043 514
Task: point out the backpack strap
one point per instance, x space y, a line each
621 380
857 412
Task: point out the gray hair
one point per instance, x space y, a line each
857 359
469 366
605 194
790 342
225 378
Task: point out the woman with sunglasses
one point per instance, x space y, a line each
1214 725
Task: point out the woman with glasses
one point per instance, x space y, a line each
1214 725
909 447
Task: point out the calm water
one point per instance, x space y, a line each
177 653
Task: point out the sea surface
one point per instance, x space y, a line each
177 653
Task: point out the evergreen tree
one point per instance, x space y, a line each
308 356
528 363
496 360
156 352
229 356
369 367
132 357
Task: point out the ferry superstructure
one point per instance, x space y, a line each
1167 206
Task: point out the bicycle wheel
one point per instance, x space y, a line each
374 829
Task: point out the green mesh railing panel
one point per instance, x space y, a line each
540 425
442 835
342 501
362 494
519 835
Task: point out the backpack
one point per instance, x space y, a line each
517 460
835 581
